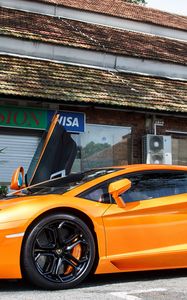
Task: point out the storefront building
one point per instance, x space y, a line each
104 137
22 128
119 91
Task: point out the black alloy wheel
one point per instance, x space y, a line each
58 252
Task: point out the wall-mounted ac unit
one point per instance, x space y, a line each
157 149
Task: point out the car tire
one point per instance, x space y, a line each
58 252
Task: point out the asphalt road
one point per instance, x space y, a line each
157 285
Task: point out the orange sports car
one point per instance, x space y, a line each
59 227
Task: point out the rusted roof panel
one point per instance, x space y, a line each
72 84
122 9
91 37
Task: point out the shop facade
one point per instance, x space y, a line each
105 137
120 88
21 130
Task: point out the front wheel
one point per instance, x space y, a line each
58 252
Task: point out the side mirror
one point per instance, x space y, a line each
17 179
117 188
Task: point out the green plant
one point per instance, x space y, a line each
143 2
3 190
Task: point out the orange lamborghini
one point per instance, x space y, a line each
59 227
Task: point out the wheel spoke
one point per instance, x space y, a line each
75 243
43 253
69 248
72 238
75 260
70 262
46 239
57 266
37 257
42 250
52 267
61 233
71 258
45 263
66 234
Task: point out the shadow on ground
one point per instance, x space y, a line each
99 280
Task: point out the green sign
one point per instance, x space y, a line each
23 117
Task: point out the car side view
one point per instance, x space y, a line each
56 231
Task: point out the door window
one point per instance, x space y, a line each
155 185
145 185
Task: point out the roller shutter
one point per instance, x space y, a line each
18 150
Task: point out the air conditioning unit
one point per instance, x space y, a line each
157 149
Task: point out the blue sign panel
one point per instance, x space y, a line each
71 121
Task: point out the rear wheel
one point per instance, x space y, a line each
59 252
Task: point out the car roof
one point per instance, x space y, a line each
151 167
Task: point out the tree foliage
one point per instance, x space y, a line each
142 2
92 148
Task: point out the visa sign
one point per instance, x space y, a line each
71 121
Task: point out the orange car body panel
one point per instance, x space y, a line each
142 235
29 209
149 235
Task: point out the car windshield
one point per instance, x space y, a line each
64 184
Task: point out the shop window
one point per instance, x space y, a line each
103 145
179 153
77 162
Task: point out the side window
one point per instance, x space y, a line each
145 185
140 190
155 185
94 195
179 182
99 193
